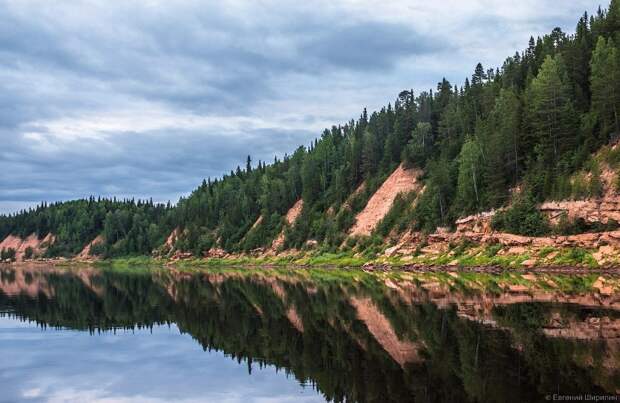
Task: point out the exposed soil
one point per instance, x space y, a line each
291 216
294 212
85 253
38 246
400 181
172 238
258 221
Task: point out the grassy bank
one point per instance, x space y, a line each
463 255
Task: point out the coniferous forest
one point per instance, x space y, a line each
507 136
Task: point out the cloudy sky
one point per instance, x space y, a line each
146 98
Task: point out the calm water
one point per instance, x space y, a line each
235 335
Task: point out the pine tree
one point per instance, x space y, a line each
605 81
370 154
501 138
551 110
418 148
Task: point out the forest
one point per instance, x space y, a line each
508 136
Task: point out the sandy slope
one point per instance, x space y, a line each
85 253
291 216
400 181
31 241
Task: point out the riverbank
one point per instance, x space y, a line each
602 283
462 257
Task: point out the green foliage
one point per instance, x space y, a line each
522 217
575 256
7 254
468 191
551 112
400 215
492 250
129 227
433 207
605 80
534 122
566 226
418 148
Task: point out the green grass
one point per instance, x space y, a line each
575 256
463 255
318 272
129 262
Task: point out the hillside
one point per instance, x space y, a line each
512 151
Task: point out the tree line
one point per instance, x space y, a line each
128 227
528 125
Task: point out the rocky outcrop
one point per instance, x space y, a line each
400 181
20 245
477 229
589 240
592 210
480 223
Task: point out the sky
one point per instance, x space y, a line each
139 366
146 98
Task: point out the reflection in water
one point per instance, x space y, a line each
388 337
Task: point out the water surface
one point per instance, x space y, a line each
235 335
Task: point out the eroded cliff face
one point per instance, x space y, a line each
291 216
592 210
477 229
600 210
400 181
86 253
20 245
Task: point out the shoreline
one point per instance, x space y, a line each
602 284
222 263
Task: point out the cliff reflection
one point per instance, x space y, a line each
356 336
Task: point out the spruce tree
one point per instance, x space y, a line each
605 81
551 111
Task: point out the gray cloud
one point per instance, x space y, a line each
143 99
368 46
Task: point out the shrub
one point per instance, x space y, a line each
492 250
7 254
578 225
522 218
28 253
